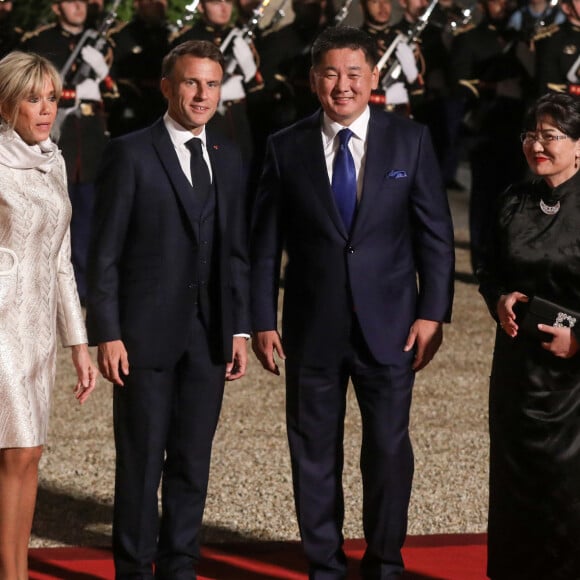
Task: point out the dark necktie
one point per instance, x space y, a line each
344 179
199 171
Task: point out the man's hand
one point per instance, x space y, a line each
264 344
427 336
406 58
96 61
237 367
113 358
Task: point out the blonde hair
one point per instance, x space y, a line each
22 75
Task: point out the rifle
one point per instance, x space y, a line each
247 31
190 11
342 13
96 38
394 68
72 75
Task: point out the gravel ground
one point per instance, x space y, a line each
250 495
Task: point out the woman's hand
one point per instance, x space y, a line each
564 343
506 314
86 372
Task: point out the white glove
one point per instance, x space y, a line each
406 58
245 58
231 90
88 90
96 61
397 94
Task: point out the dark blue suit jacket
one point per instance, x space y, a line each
143 249
396 266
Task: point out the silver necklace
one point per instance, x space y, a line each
549 209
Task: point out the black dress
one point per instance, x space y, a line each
534 403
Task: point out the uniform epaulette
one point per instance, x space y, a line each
177 33
33 33
546 31
118 27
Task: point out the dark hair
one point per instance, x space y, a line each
196 48
338 37
561 108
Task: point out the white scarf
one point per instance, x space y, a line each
17 154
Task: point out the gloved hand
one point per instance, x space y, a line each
96 61
88 90
397 94
406 58
245 58
231 90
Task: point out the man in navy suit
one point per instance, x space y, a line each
168 308
364 219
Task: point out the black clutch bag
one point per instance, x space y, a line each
541 311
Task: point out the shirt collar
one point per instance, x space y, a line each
359 126
179 134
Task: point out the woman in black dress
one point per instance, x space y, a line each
534 406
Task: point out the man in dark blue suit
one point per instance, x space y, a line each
169 297
355 198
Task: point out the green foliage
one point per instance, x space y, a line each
28 14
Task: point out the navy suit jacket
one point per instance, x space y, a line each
396 265
143 249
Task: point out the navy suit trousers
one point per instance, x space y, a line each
164 421
316 404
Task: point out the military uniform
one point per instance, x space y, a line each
492 82
232 117
383 37
82 136
138 50
558 59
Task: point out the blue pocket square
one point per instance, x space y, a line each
396 174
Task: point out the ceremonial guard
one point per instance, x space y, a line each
80 129
398 94
534 17
492 82
558 53
138 48
241 76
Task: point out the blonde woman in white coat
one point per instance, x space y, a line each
38 296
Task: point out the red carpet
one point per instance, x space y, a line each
441 557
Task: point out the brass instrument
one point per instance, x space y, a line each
461 18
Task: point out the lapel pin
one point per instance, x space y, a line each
396 174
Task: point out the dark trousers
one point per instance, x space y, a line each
316 404
82 199
164 423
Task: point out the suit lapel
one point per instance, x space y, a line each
377 161
309 143
181 186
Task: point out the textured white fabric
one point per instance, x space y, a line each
37 288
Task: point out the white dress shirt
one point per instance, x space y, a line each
179 136
357 145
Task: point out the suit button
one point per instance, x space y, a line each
350 249
191 286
